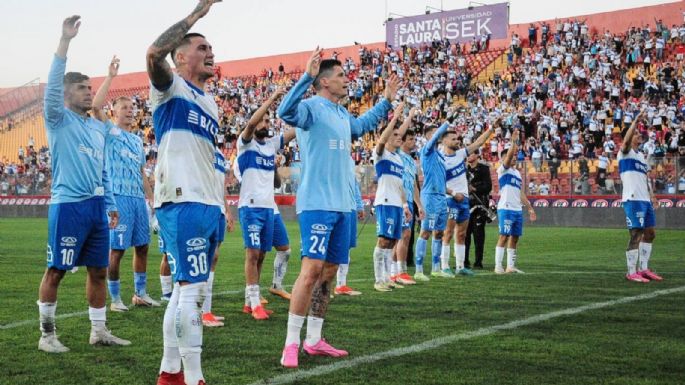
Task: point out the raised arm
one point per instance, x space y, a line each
388 129
101 95
481 139
289 135
408 121
369 120
54 91
158 68
291 109
258 115
510 157
628 139
432 144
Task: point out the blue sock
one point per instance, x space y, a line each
114 290
140 282
436 250
420 252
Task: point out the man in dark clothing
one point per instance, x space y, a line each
480 186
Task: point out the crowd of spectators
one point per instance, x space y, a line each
569 88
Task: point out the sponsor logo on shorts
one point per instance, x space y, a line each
318 228
195 244
390 221
600 203
68 241
254 228
665 203
121 228
580 203
560 203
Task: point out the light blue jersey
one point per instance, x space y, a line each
324 133
355 189
433 164
125 159
77 145
408 176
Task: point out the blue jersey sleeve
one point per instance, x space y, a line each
54 93
292 110
358 196
432 144
370 119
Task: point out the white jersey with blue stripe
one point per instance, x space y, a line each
185 119
220 168
509 189
455 167
125 160
389 169
633 169
257 164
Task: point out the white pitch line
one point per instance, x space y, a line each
438 342
235 292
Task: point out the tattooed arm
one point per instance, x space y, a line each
158 68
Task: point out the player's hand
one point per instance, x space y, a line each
422 213
280 91
392 84
515 136
398 110
70 27
113 67
113 219
458 197
203 7
655 203
407 213
361 214
230 222
314 62
533 216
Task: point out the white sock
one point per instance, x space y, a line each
46 312
378 264
280 268
403 266
645 253
631 258
253 294
343 269
387 269
171 360
314 325
499 256
460 255
398 267
166 283
295 323
445 257
394 270
511 258
188 326
207 305
98 317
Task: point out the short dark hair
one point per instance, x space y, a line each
408 133
74 77
447 133
325 69
185 41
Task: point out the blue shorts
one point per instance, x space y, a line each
190 232
389 221
325 235
221 235
280 237
78 234
160 243
510 222
458 211
436 212
407 225
639 214
353 229
257 224
134 224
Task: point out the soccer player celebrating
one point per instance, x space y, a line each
257 164
130 185
188 201
411 191
390 202
458 200
434 202
509 209
639 204
81 198
324 133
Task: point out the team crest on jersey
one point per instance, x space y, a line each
667 203
600 203
68 241
560 203
541 203
580 203
617 203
